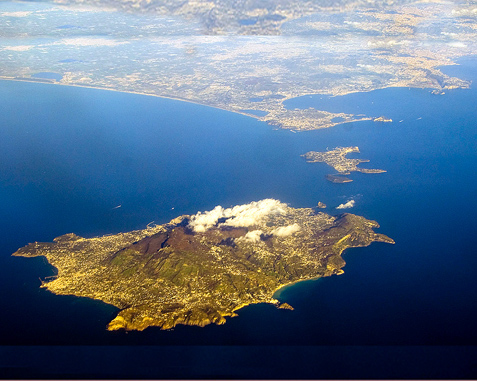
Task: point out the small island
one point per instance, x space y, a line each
337 159
199 269
338 179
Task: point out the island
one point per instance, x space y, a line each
338 179
199 269
337 159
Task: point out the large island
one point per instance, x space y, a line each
199 269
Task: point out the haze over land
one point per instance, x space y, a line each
249 57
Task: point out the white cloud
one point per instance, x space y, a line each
386 43
239 216
471 11
253 236
16 14
457 44
86 41
285 231
83 8
18 48
202 222
346 205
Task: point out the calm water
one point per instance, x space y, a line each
69 156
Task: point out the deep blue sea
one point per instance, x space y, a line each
70 156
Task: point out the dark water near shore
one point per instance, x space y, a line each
69 156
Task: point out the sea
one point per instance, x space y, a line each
97 162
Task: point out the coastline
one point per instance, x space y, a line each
256 117
102 246
277 292
34 80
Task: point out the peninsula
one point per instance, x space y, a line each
337 159
199 269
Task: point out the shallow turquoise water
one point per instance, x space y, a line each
69 156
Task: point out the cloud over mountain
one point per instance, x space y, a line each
285 231
253 236
239 216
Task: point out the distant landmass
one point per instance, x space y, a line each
247 17
249 57
199 269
